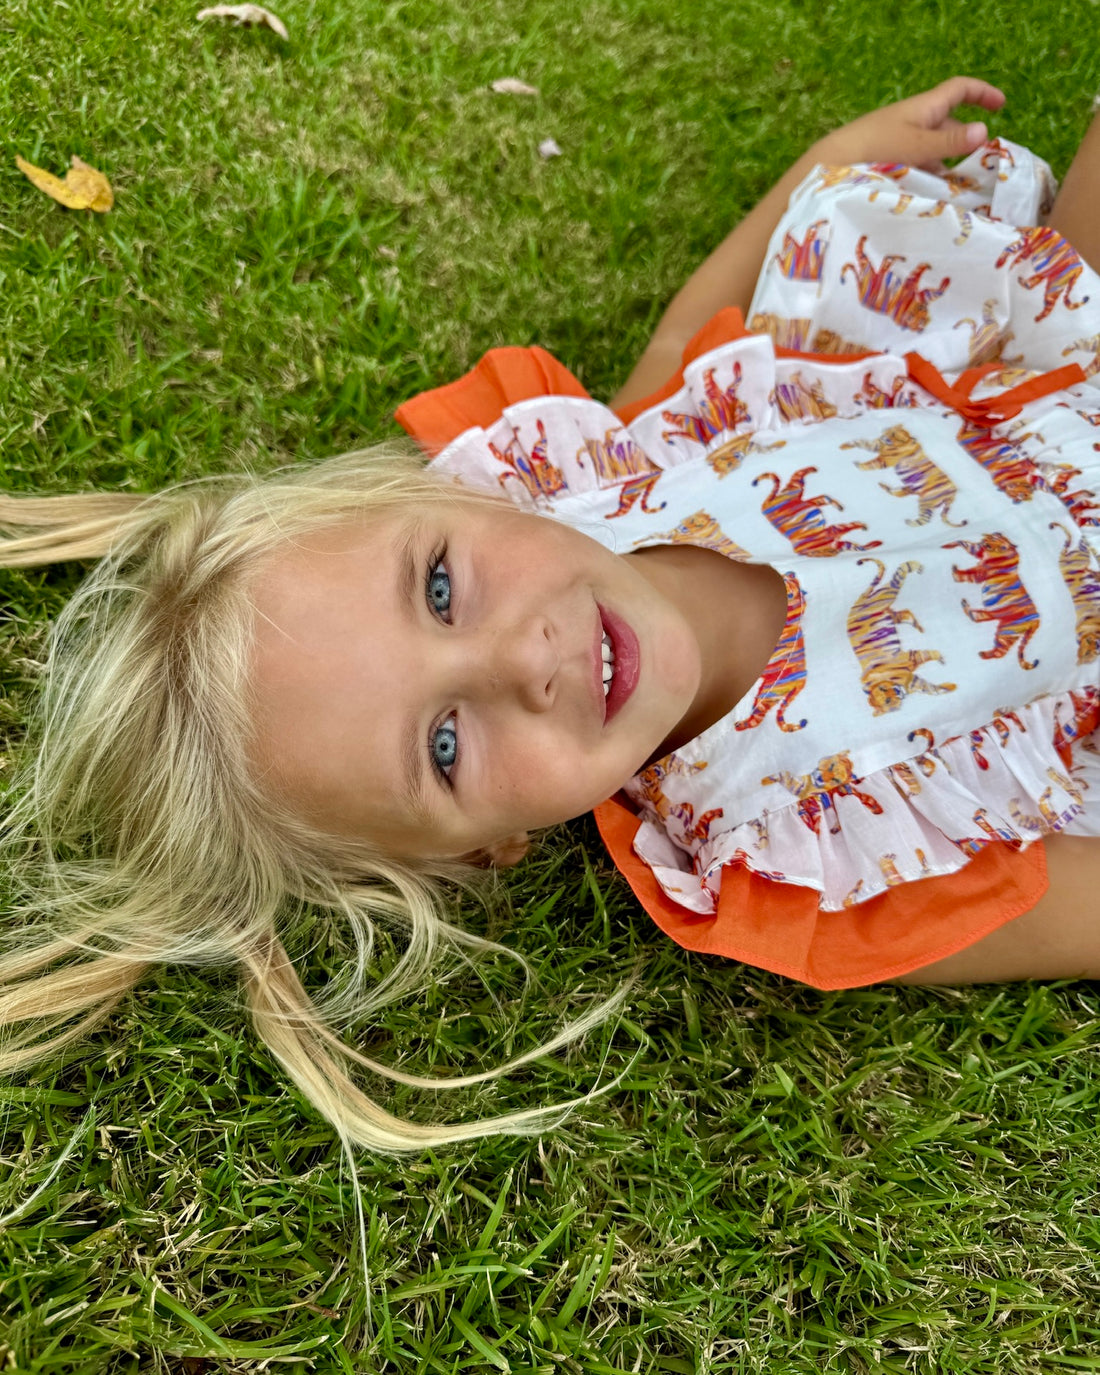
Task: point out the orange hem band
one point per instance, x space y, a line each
780 927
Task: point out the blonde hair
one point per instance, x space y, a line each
138 835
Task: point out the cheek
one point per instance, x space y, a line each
554 780
554 548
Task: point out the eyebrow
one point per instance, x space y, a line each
408 568
414 791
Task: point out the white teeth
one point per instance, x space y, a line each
607 672
608 655
607 652
606 687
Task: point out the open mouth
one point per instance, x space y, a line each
608 653
620 654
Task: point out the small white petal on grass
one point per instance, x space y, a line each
385 251
548 148
508 85
246 15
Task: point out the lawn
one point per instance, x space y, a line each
306 233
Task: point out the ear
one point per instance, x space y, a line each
508 851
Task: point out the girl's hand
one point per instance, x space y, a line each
918 132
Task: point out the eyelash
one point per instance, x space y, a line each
437 560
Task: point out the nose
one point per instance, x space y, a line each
522 661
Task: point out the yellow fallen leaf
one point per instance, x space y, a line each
246 15
83 188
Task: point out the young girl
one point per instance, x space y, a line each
819 614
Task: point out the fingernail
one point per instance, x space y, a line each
975 134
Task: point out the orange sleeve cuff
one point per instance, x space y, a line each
435 418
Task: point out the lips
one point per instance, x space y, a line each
624 647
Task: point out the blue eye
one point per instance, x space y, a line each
444 746
439 589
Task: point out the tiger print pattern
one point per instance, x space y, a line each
898 450
1005 600
785 675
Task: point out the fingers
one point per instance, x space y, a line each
968 90
946 137
950 140
956 140
933 107
921 130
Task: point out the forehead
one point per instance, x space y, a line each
328 607
324 554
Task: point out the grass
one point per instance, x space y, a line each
304 235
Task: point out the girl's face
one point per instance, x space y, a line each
432 680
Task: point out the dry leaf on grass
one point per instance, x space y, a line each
548 148
246 15
508 85
83 188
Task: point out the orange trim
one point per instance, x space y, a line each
723 328
633 409
506 375
828 358
478 398
779 926
989 410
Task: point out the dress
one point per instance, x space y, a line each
913 443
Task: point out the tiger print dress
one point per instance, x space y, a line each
908 432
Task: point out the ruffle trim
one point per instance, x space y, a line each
520 423
435 418
542 446
1011 781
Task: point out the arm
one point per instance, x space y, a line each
919 131
1058 939
1076 209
